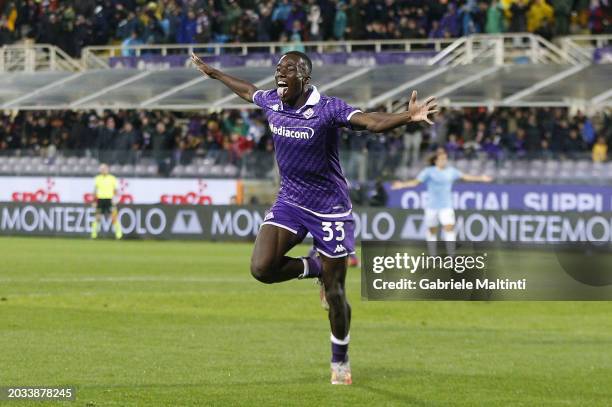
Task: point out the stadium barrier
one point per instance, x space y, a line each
503 197
241 223
199 191
206 191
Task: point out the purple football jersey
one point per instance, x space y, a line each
306 145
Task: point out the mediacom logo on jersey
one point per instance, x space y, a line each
292 132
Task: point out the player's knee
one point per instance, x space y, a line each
335 296
261 270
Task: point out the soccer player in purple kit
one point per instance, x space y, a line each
313 195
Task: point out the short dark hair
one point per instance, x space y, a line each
439 151
303 57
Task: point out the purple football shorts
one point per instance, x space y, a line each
333 234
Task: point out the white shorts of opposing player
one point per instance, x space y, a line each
437 217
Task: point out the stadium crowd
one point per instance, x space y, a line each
73 24
242 137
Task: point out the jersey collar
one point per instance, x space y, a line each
312 100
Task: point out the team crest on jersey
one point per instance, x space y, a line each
269 216
275 107
339 249
308 113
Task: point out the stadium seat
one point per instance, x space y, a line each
503 173
36 160
66 169
28 169
5 168
552 165
520 171
140 169
230 170
41 168
566 165
216 170
127 170
190 170
178 171
462 164
203 170
537 165
151 169
402 172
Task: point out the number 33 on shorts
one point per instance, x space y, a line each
333 229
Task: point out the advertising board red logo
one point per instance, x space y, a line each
45 194
189 198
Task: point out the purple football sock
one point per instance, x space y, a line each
314 267
339 353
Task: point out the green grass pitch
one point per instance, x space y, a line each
184 324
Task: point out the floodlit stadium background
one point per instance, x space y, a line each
170 316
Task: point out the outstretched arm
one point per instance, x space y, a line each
240 87
381 122
476 178
411 183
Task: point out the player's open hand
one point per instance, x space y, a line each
397 185
402 184
421 111
201 65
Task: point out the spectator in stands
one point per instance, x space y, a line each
133 40
412 139
495 18
563 10
106 140
340 22
533 136
188 31
600 150
355 21
153 32
538 15
574 145
452 147
126 144
265 26
518 21
449 25
162 143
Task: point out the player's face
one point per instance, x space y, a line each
104 169
290 78
441 160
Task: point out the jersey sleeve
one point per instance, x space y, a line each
423 175
260 96
456 174
341 112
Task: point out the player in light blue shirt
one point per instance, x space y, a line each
439 178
